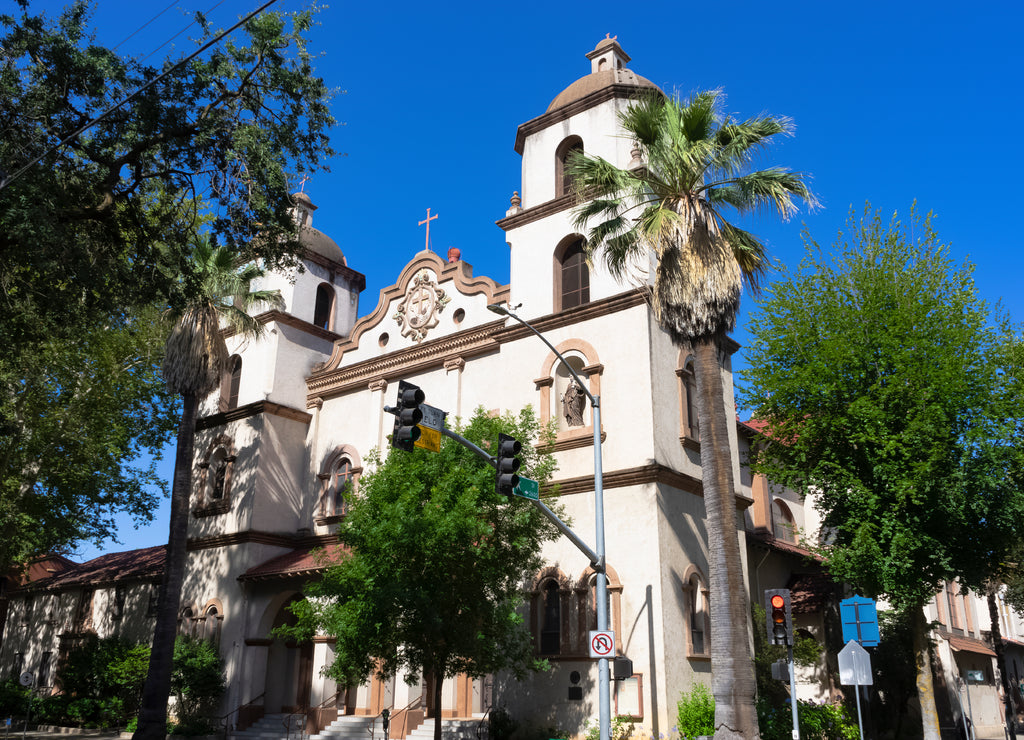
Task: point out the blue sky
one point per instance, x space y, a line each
893 102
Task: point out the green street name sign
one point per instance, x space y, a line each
527 488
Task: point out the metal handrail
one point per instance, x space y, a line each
405 714
287 721
224 720
480 732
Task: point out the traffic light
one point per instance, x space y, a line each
507 464
779 616
407 415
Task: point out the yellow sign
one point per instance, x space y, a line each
430 439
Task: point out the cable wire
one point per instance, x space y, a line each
5 181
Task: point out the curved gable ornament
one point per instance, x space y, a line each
420 310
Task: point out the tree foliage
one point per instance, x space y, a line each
102 222
100 231
878 373
431 581
78 416
887 394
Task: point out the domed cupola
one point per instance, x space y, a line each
607 69
312 239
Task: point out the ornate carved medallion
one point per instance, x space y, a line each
420 310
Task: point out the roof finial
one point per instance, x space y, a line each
302 183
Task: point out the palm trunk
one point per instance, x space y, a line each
997 645
732 669
153 711
925 684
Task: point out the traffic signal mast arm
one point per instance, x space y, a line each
595 562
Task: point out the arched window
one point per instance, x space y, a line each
230 384
212 620
187 622
324 309
339 476
563 154
572 276
341 483
783 525
551 626
698 616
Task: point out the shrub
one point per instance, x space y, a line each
621 729
696 713
817 721
197 683
12 698
501 725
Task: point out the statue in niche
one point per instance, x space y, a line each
572 404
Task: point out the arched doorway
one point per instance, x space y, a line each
289 668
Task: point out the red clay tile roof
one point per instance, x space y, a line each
969 645
302 561
134 565
753 425
786 547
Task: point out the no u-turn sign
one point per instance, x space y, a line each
602 644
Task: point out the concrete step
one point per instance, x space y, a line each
272 727
350 727
451 729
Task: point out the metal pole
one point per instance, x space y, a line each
601 582
601 586
792 693
860 722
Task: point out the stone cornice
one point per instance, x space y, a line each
466 344
536 213
353 276
253 409
288 320
255 537
579 314
565 112
641 475
409 361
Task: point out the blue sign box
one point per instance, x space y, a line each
860 620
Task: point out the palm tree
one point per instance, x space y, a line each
694 165
195 360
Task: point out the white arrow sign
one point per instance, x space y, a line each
854 665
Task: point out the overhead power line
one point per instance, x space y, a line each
84 127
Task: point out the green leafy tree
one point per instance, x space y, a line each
195 360
435 561
99 230
696 169
76 417
877 371
197 683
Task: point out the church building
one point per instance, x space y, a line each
301 408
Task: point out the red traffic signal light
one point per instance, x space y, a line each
779 617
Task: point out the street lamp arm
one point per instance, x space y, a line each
500 309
